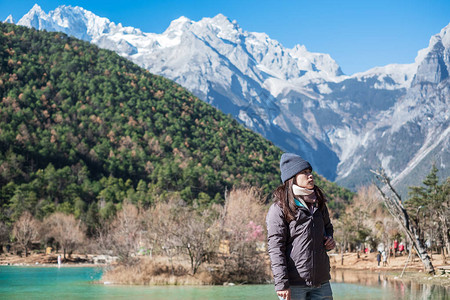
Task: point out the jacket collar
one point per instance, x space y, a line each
301 203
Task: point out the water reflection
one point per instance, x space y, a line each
402 288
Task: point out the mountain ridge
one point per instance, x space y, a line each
81 125
299 100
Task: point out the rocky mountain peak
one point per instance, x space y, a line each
180 24
36 9
9 19
434 62
36 18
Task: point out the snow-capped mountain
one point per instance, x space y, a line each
9 19
414 133
299 100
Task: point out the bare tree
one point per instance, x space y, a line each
375 222
395 207
162 228
194 236
123 234
243 231
26 230
183 230
66 230
444 214
343 233
4 235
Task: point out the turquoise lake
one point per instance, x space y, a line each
79 283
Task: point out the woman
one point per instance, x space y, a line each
299 234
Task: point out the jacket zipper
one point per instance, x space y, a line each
311 232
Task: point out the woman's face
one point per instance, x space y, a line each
305 179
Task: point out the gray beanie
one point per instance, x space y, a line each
291 164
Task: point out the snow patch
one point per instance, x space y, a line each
390 77
244 117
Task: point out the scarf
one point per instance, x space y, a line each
306 194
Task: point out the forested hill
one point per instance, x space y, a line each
81 126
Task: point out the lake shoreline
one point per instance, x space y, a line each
398 263
350 261
48 260
79 283
365 262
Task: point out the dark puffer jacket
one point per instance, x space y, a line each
297 252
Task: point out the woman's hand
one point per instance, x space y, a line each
285 294
329 243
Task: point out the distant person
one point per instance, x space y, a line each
401 248
299 233
378 258
384 254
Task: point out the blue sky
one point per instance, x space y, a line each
358 34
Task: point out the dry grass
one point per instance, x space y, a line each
156 271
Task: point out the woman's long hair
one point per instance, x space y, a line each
284 196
